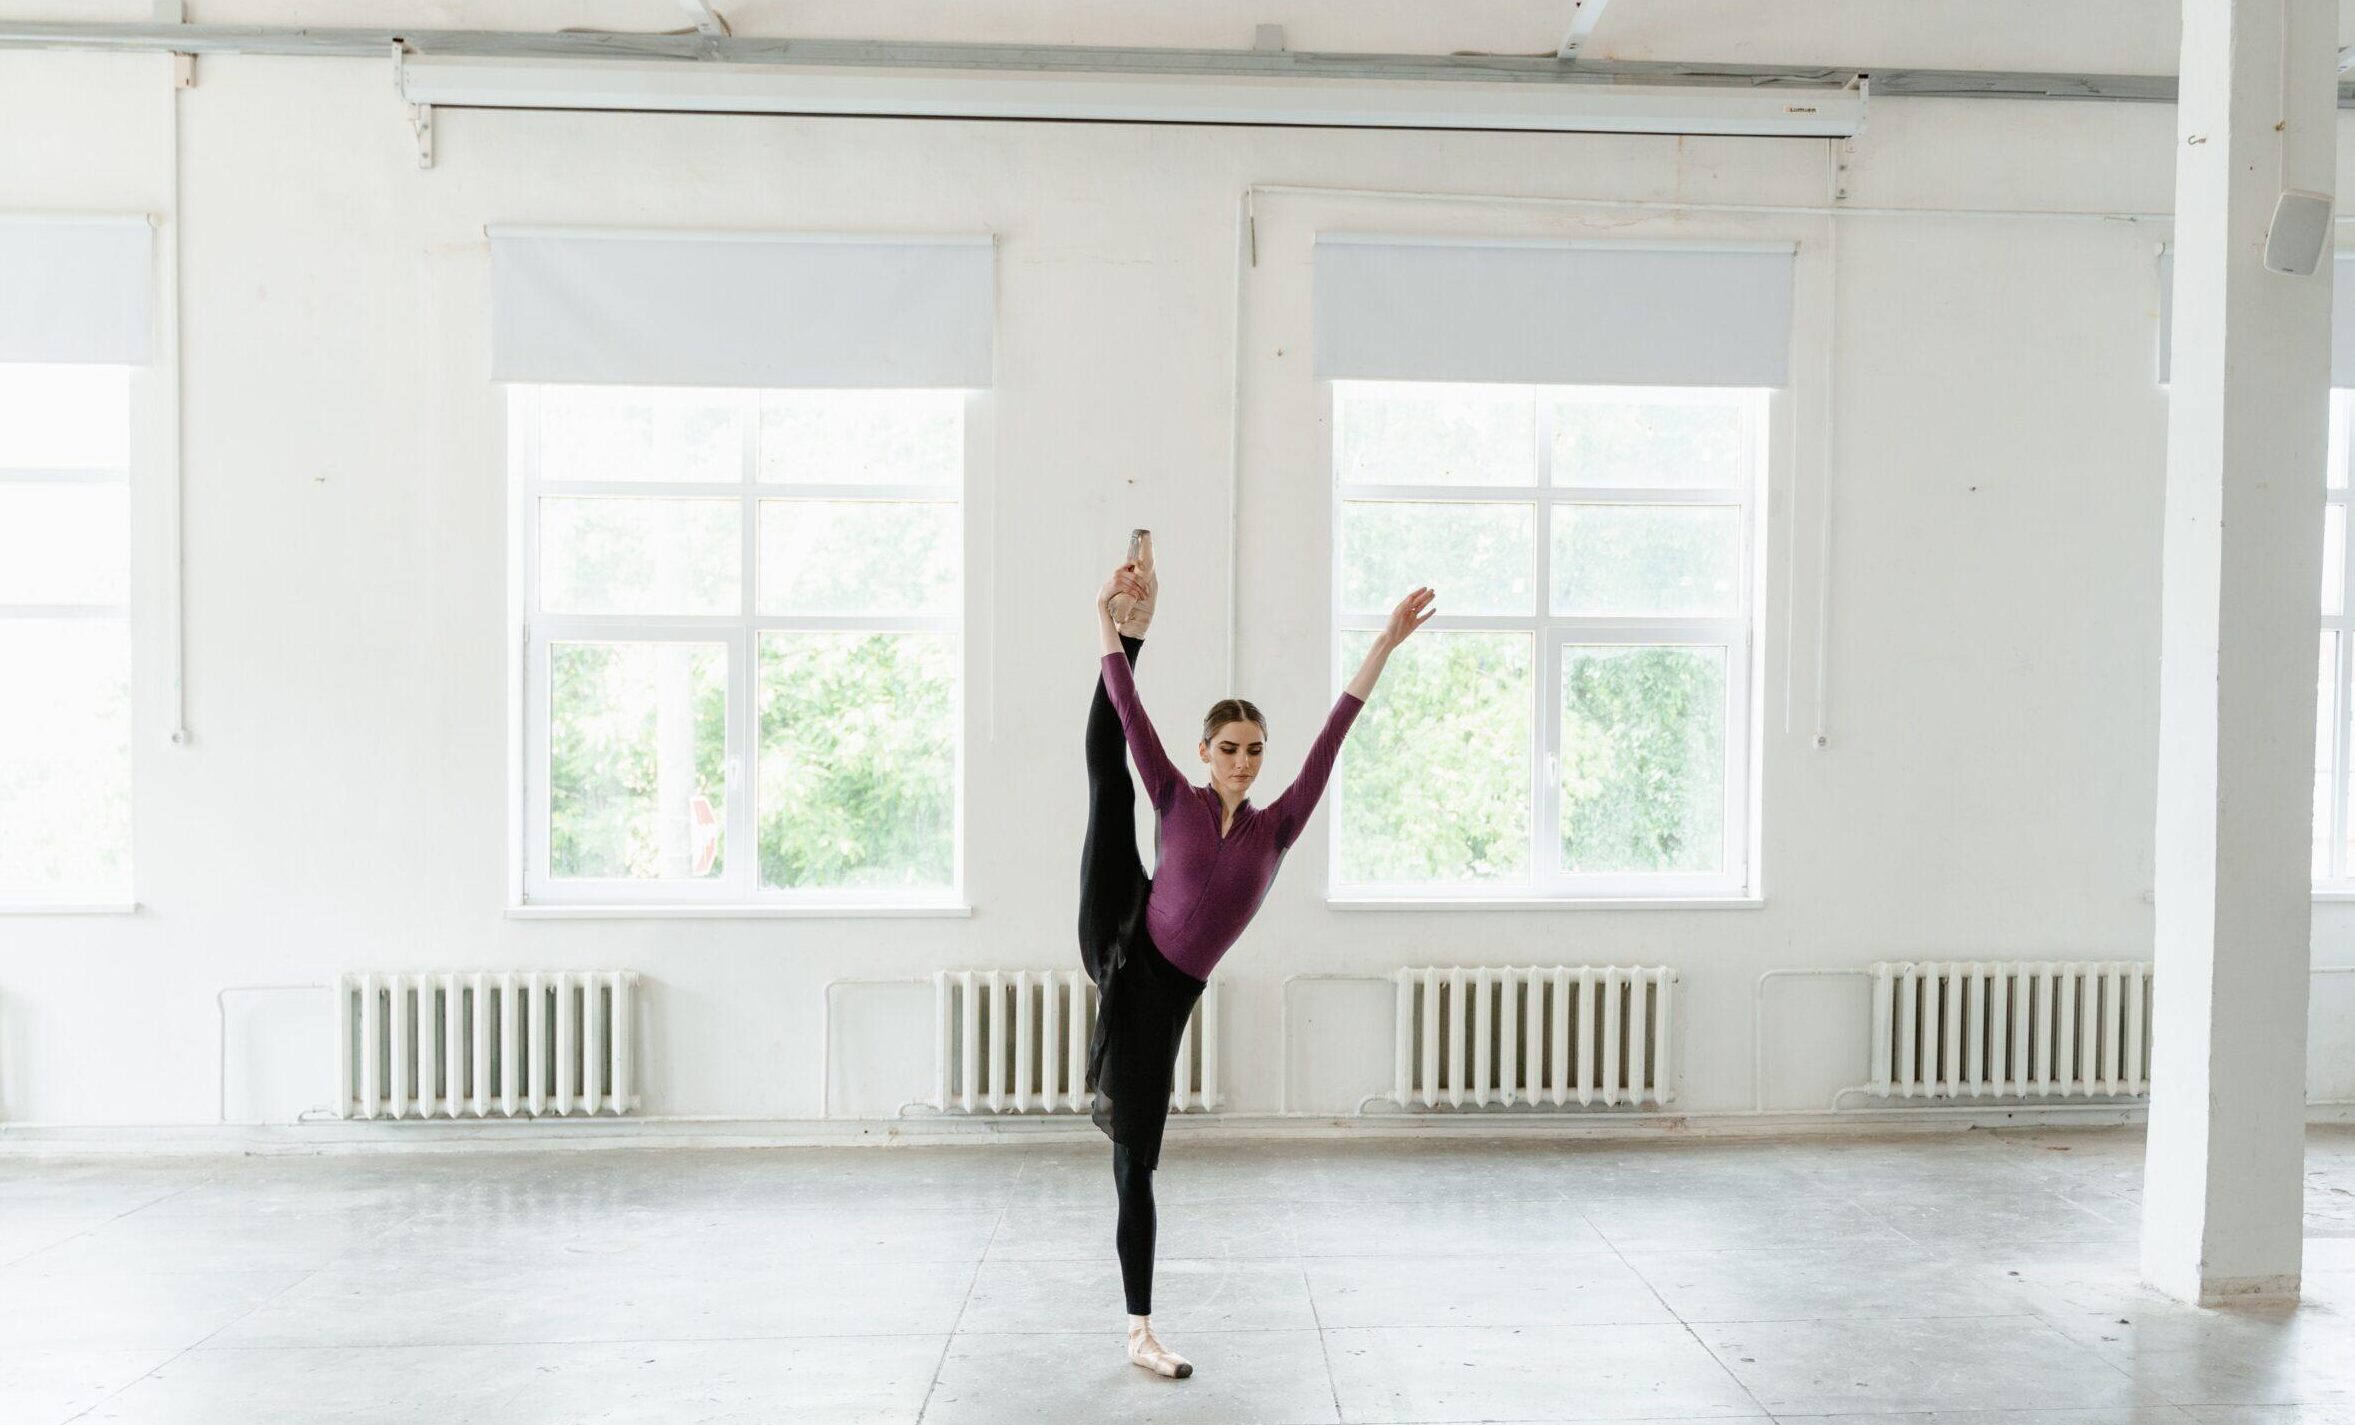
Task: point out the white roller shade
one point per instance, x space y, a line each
2342 316
740 309
76 290
1569 313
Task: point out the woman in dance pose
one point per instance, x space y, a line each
1150 944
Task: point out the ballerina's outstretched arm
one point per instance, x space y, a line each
1412 613
1293 806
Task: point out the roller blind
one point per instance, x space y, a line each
740 309
76 290
2342 316
1571 313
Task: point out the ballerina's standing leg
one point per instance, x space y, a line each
1111 880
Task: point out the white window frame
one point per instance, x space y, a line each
738 888
81 899
1550 634
2336 880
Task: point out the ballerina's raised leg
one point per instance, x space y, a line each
1112 880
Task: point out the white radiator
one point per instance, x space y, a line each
483 1045
1017 1041
1948 1029
1539 1035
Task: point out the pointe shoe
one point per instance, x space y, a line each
1138 615
1146 1351
1122 607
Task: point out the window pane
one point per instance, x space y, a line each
863 437
637 740
858 557
603 555
65 417
2325 750
2335 718
2334 558
1434 784
1441 435
1652 440
640 433
1478 556
1643 759
2340 403
857 752
64 544
65 758
1664 560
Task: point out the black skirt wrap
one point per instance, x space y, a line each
1143 1003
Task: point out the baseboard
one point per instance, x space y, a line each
469 1135
2278 1289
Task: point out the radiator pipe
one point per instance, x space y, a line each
1284 1040
172 367
1758 1043
221 1037
1284 1057
1758 1034
2331 1102
826 1035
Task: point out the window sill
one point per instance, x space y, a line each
1549 903
2335 895
730 912
69 908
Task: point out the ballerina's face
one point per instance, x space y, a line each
1233 753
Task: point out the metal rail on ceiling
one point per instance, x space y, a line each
704 48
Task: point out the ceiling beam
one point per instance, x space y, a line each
698 48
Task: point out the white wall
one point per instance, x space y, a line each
1988 787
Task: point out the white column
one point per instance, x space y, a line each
2246 430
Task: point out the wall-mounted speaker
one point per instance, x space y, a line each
2300 232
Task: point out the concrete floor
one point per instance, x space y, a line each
1309 1281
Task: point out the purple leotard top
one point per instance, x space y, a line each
1206 887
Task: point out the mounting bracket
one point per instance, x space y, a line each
421 127
420 115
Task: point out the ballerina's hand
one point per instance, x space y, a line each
1124 580
1412 613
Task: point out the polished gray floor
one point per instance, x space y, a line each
1989 1276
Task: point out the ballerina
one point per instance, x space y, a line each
1150 943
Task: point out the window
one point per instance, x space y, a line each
1576 720
65 641
743 631
2334 820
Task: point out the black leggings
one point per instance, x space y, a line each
1133 1237
1107 896
1111 870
